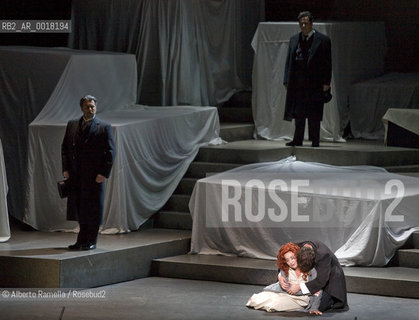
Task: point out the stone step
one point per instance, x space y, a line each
410 169
216 268
186 186
241 115
353 153
381 157
177 202
41 259
173 220
236 131
199 169
408 258
243 152
390 281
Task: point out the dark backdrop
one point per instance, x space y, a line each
400 17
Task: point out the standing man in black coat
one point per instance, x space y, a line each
330 277
308 71
87 151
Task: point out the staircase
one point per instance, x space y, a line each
236 125
400 278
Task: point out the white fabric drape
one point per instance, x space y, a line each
28 76
358 51
252 210
4 216
189 52
155 146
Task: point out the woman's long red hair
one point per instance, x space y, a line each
280 258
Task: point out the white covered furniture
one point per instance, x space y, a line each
358 51
362 213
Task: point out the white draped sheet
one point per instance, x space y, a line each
358 51
4 216
155 146
53 80
369 101
188 52
353 210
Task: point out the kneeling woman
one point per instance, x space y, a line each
274 298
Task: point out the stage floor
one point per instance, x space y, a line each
166 298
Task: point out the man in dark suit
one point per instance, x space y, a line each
87 151
330 277
308 71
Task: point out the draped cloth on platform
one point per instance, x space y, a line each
155 145
362 213
358 51
4 216
188 52
32 78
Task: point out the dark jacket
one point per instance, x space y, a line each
85 156
330 276
318 73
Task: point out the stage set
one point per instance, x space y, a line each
177 166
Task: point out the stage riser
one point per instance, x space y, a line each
241 115
408 258
186 186
383 287
87 271
244 270
178 202
352 158
17 272
236 132
219 273
173 220
199 169
400 157
238 156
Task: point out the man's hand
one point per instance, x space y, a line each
293 289
66 174
283 282
326 87
100 178
316 312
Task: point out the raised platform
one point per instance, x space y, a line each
33 259
389 281
352 152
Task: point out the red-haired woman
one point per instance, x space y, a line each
273 298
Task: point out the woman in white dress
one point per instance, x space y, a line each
273 298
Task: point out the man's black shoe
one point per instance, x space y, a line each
90 246
315 145
75 246
293 144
